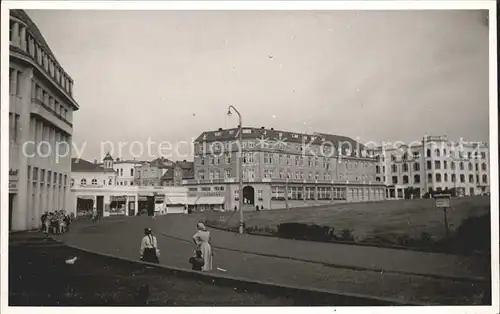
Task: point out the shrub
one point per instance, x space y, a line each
292 230
346 235
473 234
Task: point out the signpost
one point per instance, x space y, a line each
443 201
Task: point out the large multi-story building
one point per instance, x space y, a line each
281 168
40 120
434 164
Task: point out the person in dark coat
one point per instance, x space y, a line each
149 247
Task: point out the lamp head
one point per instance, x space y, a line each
229 113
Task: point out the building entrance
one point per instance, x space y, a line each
248 195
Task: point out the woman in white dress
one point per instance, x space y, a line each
202 239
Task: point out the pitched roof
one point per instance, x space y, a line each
187 169
161 163
108 157
337 141
256 133
82 165
137 162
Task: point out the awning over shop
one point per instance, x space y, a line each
210 200
160 198
183 200
175 200
85 197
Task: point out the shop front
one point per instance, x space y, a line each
160 204
146 204
84 205
117 205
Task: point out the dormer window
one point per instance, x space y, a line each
218 133
295 136
247 131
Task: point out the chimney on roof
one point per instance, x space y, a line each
184 160
272 129
220 129
262 128
117 159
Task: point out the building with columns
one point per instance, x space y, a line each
41 106
434 164
281 168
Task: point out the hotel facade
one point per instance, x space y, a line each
41 107
282 169
434 164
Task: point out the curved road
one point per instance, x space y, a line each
377 272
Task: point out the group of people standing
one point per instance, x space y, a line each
56 222
202 260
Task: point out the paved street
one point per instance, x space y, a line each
295 263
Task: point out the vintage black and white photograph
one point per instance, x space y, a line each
223 154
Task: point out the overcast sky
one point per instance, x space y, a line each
169 75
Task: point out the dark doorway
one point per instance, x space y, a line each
12 198
131 208
146 205
151 205
248 195
100 205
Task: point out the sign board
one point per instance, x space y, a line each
443 200
118 198
13 179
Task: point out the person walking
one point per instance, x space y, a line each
149 247
202 239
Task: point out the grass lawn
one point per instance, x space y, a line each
368 220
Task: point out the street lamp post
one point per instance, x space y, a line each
240 164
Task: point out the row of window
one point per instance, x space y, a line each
470 155
14 127
120 172
23 40
14 82
41 175
439 178
326 149
437 166
438 153
284 159
249 174
46 139
207 189
95 182
49 100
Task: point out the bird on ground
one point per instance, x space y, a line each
71 261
